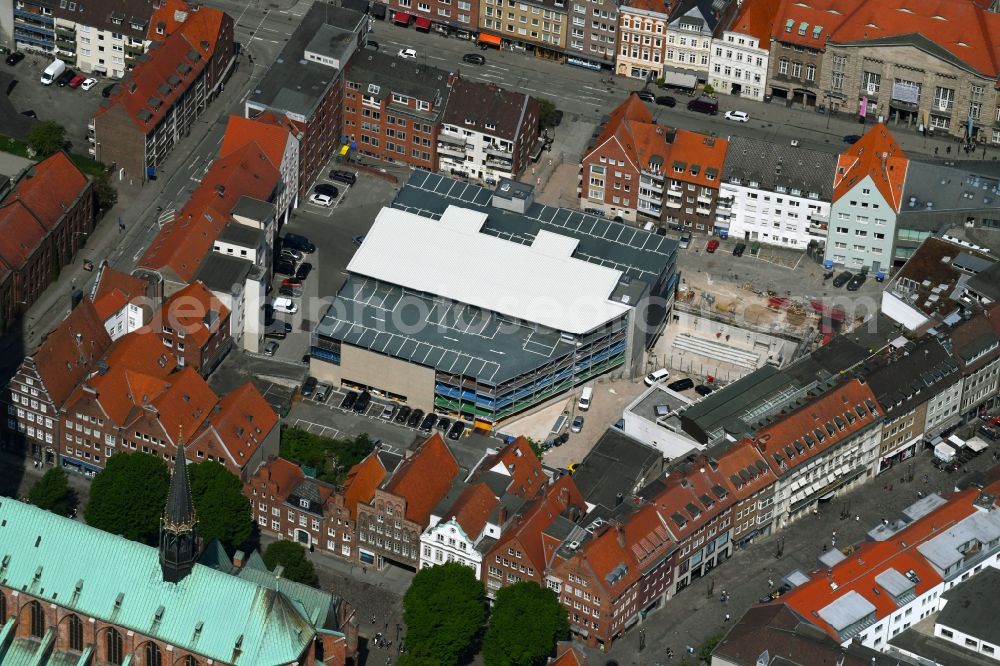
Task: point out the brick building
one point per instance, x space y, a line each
153 108
45 217
194 324
123 302
538 26
460 17
393 108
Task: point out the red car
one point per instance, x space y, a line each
77 80
291 282
712 246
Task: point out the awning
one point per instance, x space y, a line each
486 38
976 444
679 79
423 23
401 17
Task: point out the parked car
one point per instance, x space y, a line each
284 304
739 249
443 424
644 95
321 199
685 240
291 292
428 422
270 348
703 389
656 376
297 242
284 268
65 77
348 402
705 105
737 116
327 189
407 54
88 84
290 254
712 246
474 58
852 138
275 334
309 387
361 404
388 412
291 282
107 90
30 113
403 414
372 44
14 58
681 385
456 430
341 176
416 416
77 81
577 424
842 279
666 100
303 271
988 432
856 282
322 392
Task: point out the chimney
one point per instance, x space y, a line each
564 496
238 559
503 516
619 498
621 536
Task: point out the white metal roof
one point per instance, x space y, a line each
539 283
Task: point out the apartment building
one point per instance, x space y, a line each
34 26
107 36
487 132
775 194
447 17
689 35
121 301
867 196
194 325
753 484
393 108
740 58
155 107
45 379
538 26
46 214
642 28
976 346
593 32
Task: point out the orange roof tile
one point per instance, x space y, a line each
530 526
520 463
824 423
361 482
756 19
110 303
109 280
424 478
569 655
167 18
876 156
71 351
241 421
619 127
472 508
21 233
279 475
740 466
690 500
271 138
664 7
188 309
960 27
185 404
796 21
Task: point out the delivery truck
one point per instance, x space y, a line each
53 72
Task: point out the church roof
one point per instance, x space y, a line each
179 513
118 581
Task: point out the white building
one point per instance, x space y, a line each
689 37
775 193
653 419
103 40
454 536
120 301
642 26
739 60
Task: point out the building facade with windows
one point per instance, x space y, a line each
593 31
539 26
194 325
444 15
689 35
740 58
775 194
34 26
642 29
108 36
867 196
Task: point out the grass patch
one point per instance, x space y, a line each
86 164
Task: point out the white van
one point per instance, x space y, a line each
585 398
656 376
53 71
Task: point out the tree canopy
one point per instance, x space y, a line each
129 495
547 113
526 623
105 192
444 609
292 556
52 493
223 510
331 458
46 138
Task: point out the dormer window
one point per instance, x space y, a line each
304 503
373 88
491 126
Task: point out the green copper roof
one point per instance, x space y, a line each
110 578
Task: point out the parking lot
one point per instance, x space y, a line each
70 107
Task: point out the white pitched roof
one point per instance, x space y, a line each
539 283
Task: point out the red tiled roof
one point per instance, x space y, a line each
241 421
756 19
877 156
694 149
50 188
21 233
109 280
520 463
569 655
160 76
187 310
71 351
740 467
171 15
361 482
472 508
185 405
690 500
110 303
844 410
531 525
960 27
424 478
619 127
280 476
270 137
656 6
806 16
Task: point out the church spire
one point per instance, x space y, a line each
179 542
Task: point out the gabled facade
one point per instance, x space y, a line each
121 301
455 537
740 57
642 28
280 143
689 36
194 325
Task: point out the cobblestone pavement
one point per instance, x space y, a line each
696 613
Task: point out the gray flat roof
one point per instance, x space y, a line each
973 606
947 188
947 548
638 253
800 168
399 76
659 403
987 282
616 465
241 234
292 83
221 272
846 610
917 640
254 209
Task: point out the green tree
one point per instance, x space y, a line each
105 192
526 623
708 90
331 458
546 113
292 556
128 497
52 493
222 508
444 609
46 138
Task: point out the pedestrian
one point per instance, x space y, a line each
770 582
824 547
727 617
364 570
935 150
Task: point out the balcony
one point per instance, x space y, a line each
32 17
65 32
451 149
655 174
703 210
68 56
817 230
705 199
499 152
498 162
673 203
451 137
723 214
650 184
816 218
134 50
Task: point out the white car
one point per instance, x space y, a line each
738 116
407 54
88 84
321 199
285 305
657 376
